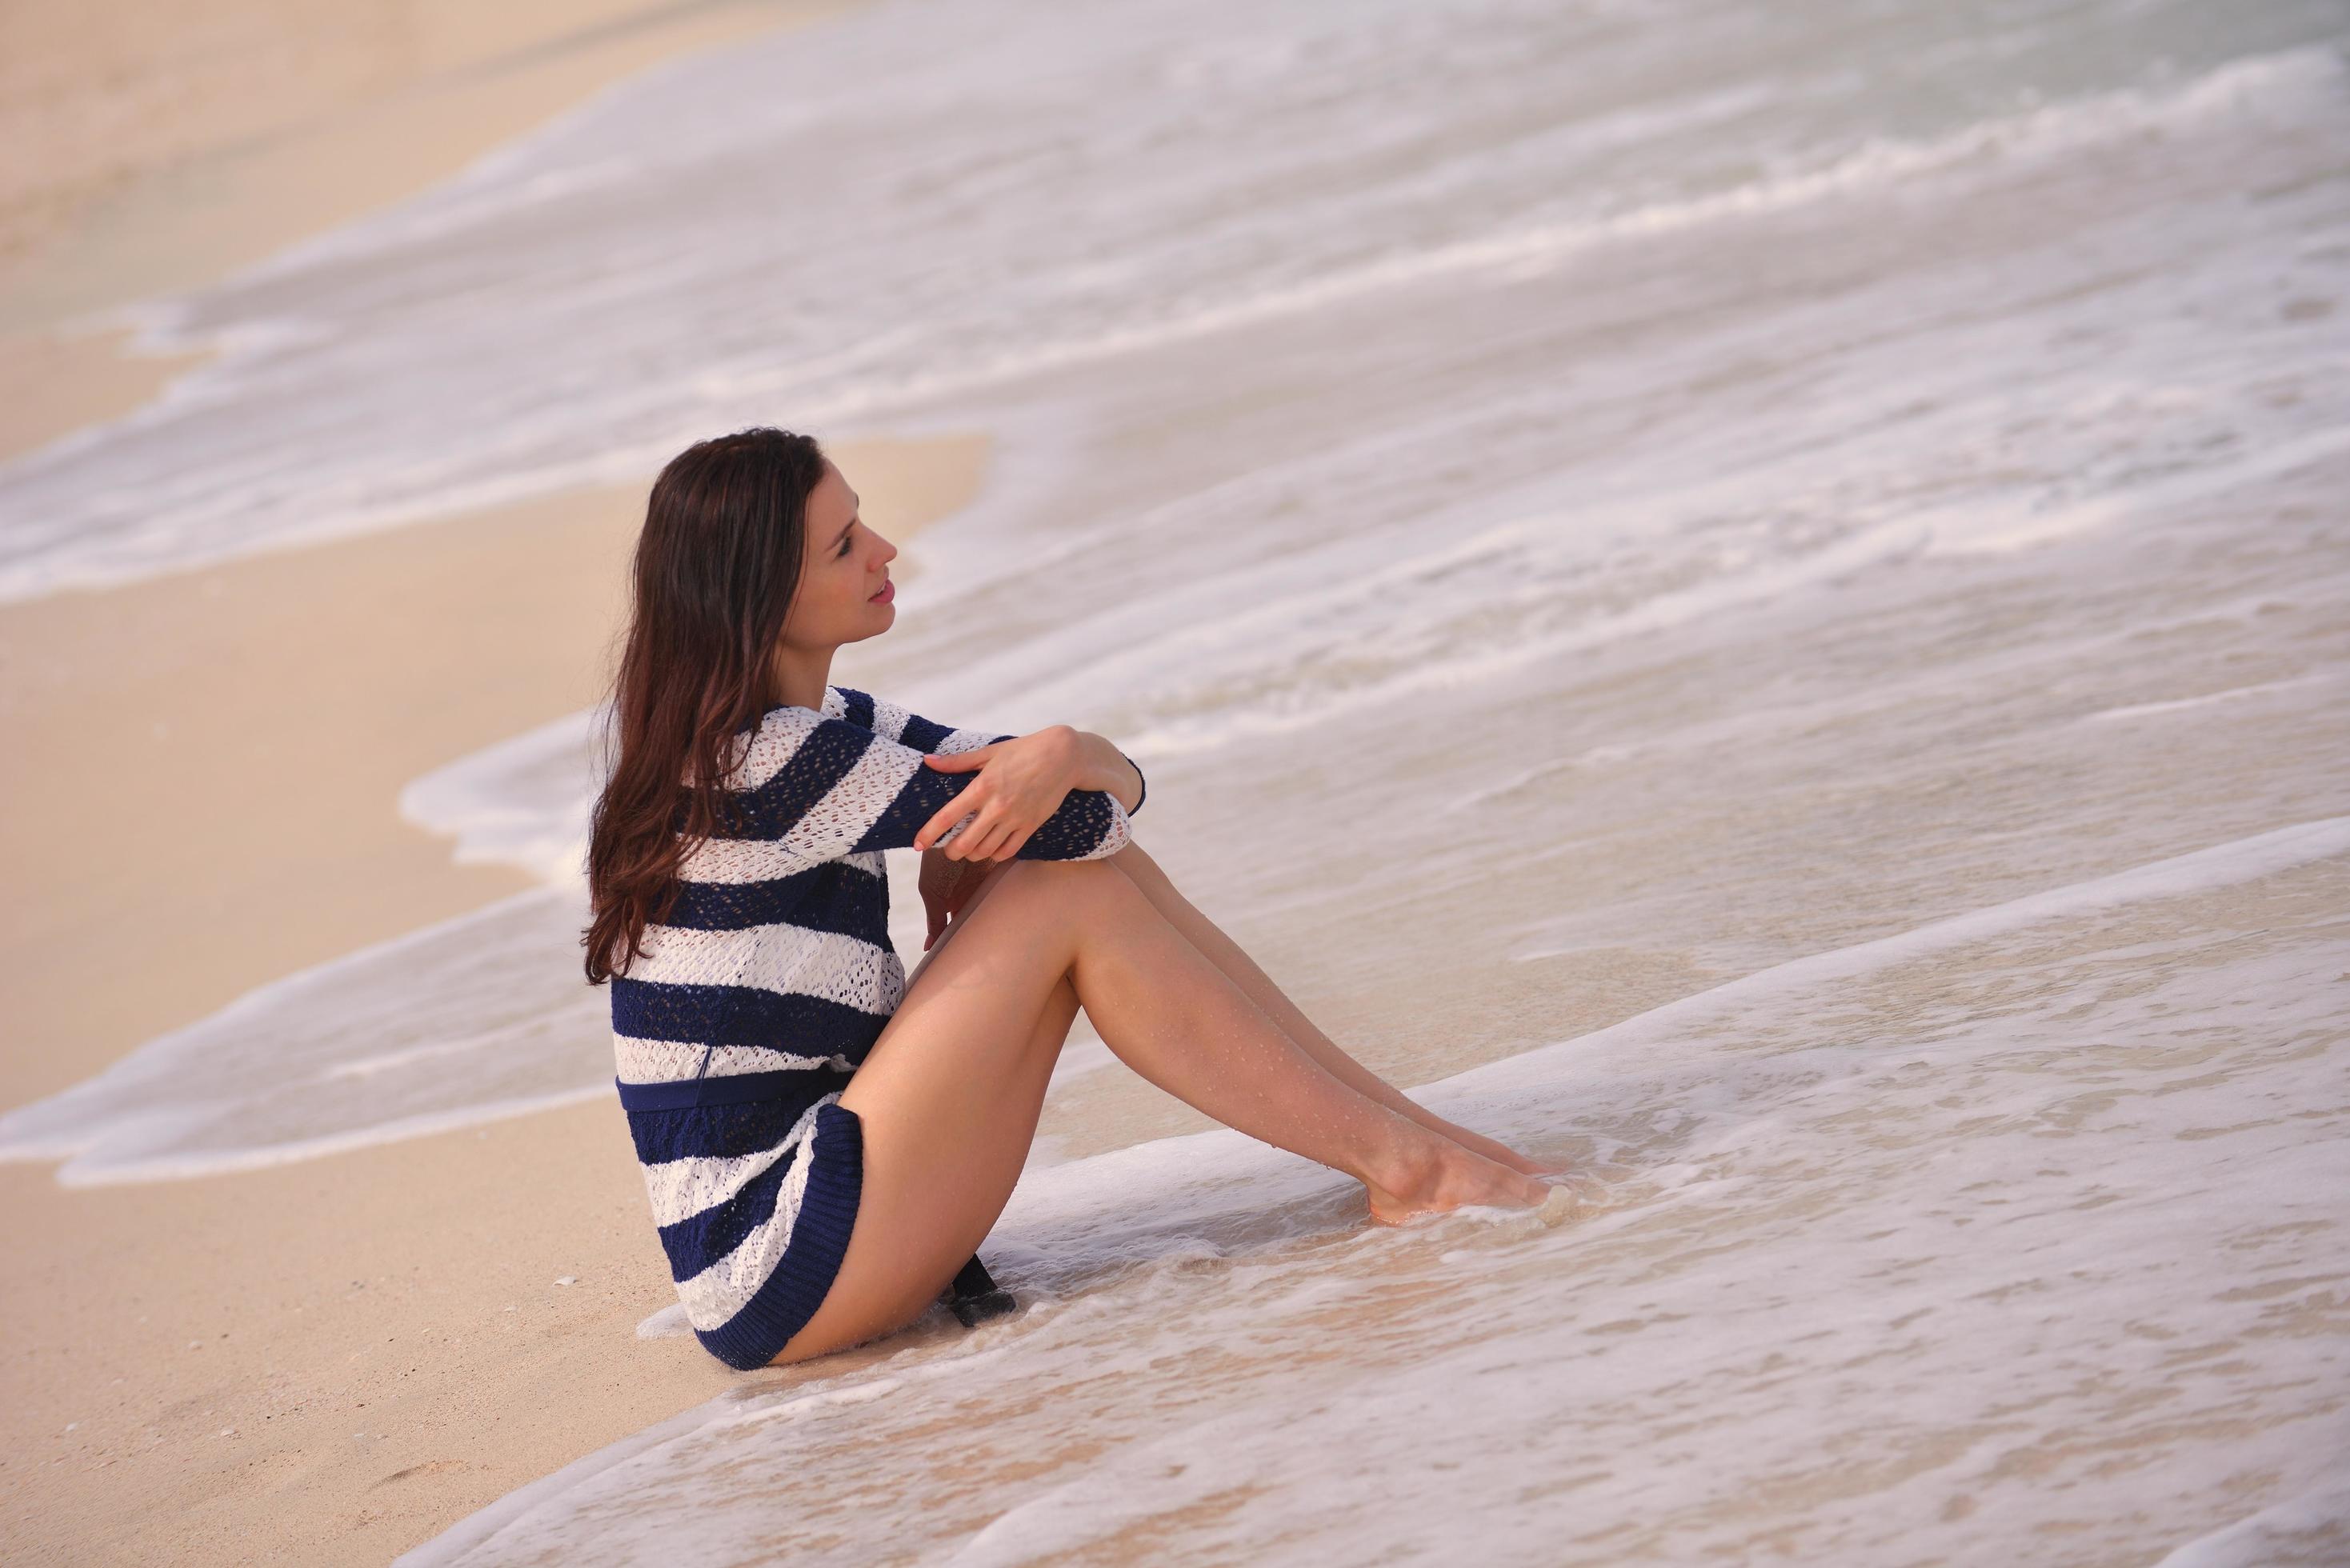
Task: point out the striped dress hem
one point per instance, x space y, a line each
827 1213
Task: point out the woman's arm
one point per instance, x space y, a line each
1095 764
1101 765
908 728
947 884
1028 778
811 788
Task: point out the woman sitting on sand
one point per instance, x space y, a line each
825 1138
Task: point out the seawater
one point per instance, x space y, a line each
1749 598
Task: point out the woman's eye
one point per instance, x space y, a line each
844 547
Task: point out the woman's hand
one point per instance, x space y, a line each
1024 783
948 885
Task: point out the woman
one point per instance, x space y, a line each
825 1138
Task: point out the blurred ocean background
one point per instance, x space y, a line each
1754 597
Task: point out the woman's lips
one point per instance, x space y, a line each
888 591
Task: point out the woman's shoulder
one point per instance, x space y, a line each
777 735
839 702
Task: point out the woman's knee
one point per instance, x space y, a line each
1037 903
1060 886
1051 872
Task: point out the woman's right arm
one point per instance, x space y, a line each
948 885
1109 766
813 789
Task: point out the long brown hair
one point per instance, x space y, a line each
715 570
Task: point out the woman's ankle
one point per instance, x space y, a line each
1448 1177
1412 1165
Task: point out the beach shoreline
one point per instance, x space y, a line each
1730 630
150 148
334 1359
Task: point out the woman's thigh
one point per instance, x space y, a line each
949 1098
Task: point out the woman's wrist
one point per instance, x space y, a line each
1101 765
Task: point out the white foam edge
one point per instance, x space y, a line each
2237 860
748 1406
477 801
2263 1539
186 1167
155 1056
478 1527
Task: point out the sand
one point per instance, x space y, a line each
55 382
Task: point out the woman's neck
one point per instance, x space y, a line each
799 680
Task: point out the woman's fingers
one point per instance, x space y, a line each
986 836
999 833
994 832
942 822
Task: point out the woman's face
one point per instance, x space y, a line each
843 567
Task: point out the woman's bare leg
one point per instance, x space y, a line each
950 1092
1243 971
948 1099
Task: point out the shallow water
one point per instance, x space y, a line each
1998 1229
1754 597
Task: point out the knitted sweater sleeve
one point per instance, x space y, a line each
808 788
945 739
925 735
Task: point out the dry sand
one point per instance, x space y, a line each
332 1360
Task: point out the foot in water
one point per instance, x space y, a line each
1502 1153
1456 1180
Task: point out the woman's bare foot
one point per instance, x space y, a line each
1452 1177
1499 1153
1491 1148
1518 1162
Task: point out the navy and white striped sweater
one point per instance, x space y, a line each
763 988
